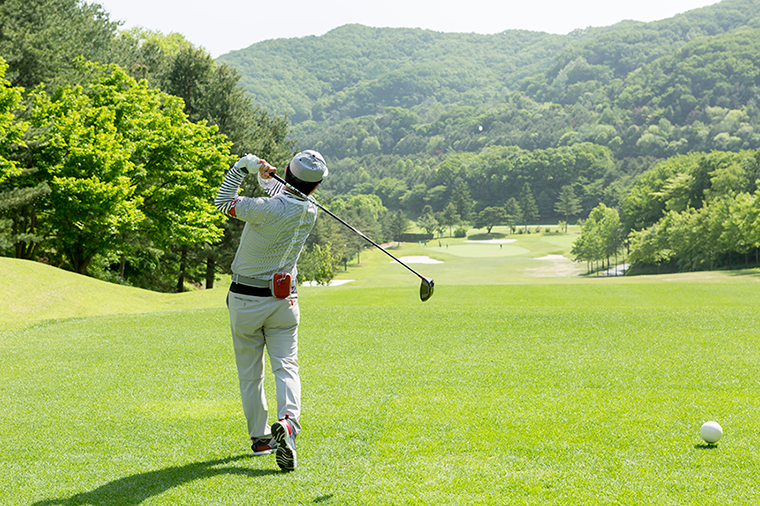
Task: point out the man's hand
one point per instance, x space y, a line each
266 170
248 163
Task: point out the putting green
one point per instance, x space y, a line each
479 250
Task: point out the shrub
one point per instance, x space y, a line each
415 237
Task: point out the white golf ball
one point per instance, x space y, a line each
711 432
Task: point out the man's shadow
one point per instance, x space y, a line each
133 490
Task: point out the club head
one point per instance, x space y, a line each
426 289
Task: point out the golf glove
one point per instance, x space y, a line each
249 163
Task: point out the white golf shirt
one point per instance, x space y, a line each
275 230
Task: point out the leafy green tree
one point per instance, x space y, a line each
397 225
544 204
211 93
600 236
20 197
16 214
648 246
327 231
11 128
462 201
390 191
567 204
427 221
513 213
609 229
92 200
450 216
124 166
41 39
414 199
317 264
490 217
362 212
528 205
189 74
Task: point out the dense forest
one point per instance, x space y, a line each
112 142
418 118
374 100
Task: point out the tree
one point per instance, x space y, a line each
86 164
126 169
528 205
567 204
600 236
462 201
490 217
513 213
544 204
648 246
427 221
362 212
317 264
397 225
20 196
41 39
188 77
450 217
211 93
11 129
15 219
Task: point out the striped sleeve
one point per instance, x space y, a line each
271 186
228 192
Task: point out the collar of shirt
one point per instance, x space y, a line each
292 195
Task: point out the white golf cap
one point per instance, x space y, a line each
308 166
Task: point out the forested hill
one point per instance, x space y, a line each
401 104
356 70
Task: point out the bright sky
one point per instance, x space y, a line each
221 26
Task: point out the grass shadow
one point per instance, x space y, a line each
132 490
706 446
485 237
750 271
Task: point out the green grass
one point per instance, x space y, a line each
31 291
468 262
514 389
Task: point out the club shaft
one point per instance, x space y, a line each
313 201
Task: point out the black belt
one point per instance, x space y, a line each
255 291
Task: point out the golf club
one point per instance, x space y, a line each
427 286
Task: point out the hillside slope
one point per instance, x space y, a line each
356 70
32 291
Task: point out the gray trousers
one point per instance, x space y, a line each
258 323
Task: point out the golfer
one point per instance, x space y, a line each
262 301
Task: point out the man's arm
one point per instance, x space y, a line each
228 193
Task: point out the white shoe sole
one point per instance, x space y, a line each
285 455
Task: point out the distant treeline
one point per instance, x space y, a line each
699 211
375 99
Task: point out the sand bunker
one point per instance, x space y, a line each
494 241
334 282
418 260
552 257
